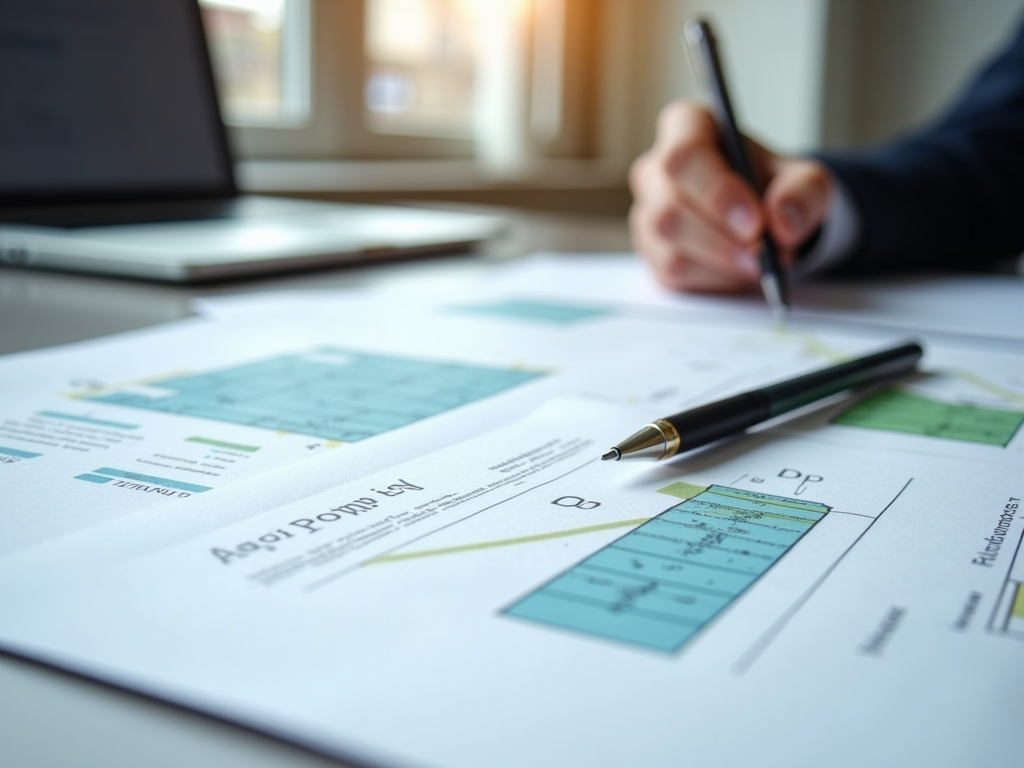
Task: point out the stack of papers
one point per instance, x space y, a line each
380 527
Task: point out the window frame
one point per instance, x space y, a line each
337 73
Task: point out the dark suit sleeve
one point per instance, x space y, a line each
953 194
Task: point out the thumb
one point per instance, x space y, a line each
796 200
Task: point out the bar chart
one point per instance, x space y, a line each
662 583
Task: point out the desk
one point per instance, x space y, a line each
51 718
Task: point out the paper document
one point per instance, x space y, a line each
970 306
512 600
156 417
378 525
95 431
962 305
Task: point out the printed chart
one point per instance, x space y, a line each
157 484
12 455
1012 619
545 312
331 393
660 584
911 413
1008 615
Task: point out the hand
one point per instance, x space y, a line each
699 224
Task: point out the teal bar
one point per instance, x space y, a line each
660 584
629 628
87 420
134 476
19 454
328 392
93 478
538 311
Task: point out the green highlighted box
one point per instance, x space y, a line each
895 411
222 444
682 490
1017 609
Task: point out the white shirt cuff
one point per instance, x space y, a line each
839 234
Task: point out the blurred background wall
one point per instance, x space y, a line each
809 73
893 64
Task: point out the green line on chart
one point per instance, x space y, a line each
774 501
990 386
506 542
222 444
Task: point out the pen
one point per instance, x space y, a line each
699 426
702 42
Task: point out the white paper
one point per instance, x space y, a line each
378 600
888 613
616 353
969 306
83 439
962 305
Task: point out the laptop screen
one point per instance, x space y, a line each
107 100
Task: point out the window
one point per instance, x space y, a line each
421 66
503 81
260 55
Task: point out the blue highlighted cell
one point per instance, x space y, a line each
89 478
17 453
86 420
136 477
660 584
539 311
331 393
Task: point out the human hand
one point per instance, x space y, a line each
699 224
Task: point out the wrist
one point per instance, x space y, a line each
834 241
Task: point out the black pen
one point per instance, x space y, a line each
699 426
702 42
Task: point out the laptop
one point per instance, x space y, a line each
114 159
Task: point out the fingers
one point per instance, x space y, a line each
699 224
796 200
683 250
693 218
693 158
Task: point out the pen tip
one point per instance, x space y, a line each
612 455
781 313
775 292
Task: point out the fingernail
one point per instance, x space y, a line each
742 221
795 216
746 262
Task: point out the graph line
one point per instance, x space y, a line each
398 556
766 639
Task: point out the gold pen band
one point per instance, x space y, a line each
657 440
671 437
